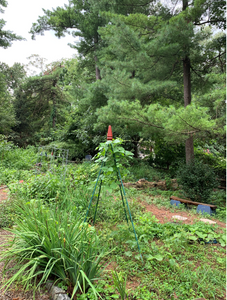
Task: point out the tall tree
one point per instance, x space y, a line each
14 75
39 104
7 114
6 36
144 61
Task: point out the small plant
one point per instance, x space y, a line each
197 180
120 284
7 213
52 243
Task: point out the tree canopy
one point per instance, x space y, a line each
154 71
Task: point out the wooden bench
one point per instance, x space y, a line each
201 207
192 202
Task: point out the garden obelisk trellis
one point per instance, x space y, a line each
121 186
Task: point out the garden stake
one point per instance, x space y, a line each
96 207
122 197
119 175
93 192
121 186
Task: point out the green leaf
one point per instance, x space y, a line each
128 253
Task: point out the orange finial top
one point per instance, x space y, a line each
109 134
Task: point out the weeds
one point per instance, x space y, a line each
51 241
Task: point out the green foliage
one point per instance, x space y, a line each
7 213
39 95
147 227
111 207
17 158
13 76
197 180
140 170
44 186
8 175
167 156
212 158
6 35
113 157
46 233
7 113
120 284
53 242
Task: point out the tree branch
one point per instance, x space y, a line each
209 21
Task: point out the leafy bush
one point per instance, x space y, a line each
112 157
51 243
8 175
7 213
197 180
46 186
213 159
17 158
143 170
167 156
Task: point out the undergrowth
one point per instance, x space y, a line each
46 215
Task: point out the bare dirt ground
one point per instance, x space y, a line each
163 214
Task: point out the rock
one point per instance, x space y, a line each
208 221
179 218
143 183
56 293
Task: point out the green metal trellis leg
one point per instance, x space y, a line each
94 192
122 197
119 174
96 207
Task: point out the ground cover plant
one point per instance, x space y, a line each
180 261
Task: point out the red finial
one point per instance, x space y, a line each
109 134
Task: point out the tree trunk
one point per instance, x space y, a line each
54 105
189 147
97 71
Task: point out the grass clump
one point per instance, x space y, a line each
53 243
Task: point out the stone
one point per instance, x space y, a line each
208 221
204 209
56 293
179 218
175 202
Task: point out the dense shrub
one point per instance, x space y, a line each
197 180
17 158
142 169
213 159
167 156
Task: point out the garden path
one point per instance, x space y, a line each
165 215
